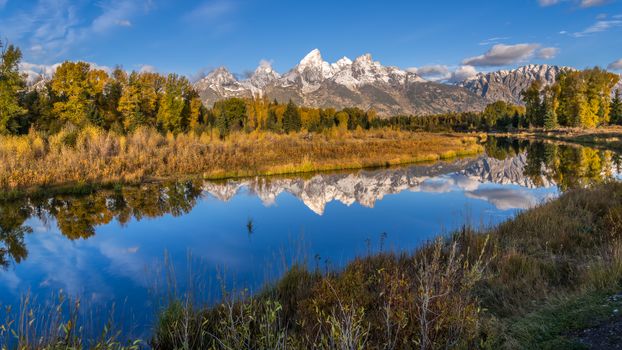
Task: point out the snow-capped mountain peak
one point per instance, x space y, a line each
263 75
364 60
221 76
342 63
362 83
312 59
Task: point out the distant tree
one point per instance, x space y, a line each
584 97
112 96
272 122
79 92
616 108
37 102
327 118
11 85
230 115
173 113
197 113
341 120
550 104
291 118
130 104
533 103
550 119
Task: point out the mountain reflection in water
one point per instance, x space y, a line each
507 162
99 245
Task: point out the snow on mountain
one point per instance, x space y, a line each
263 76
362 83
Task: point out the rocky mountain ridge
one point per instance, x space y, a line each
507 85
367 84
361 82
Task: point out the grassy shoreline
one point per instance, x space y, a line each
531 282
609 138
91 158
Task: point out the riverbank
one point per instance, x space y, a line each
548 278
88 158
536 281
609 137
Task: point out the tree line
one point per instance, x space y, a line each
79 94
577 99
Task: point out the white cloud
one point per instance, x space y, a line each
200 74
582 3
146 68
599 26
617 65
440 72
548 53
502 55
124 23
115 14
432 72
592 3
264 63
52 27
505 198
36 71
437 185
491 41
548 2
462 73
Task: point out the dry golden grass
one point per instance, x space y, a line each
95 156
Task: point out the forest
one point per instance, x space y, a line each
80 95
577 99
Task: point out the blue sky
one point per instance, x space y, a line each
192 36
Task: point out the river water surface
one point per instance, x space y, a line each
127 246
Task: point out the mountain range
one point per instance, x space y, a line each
507 85
367 84
362 83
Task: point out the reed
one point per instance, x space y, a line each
91 156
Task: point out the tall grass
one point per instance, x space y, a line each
93 156
55 324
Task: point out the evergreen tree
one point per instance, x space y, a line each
230 115
272 122
550 119
616 108
550 104
11 84
291 118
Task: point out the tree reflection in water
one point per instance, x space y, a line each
78 216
